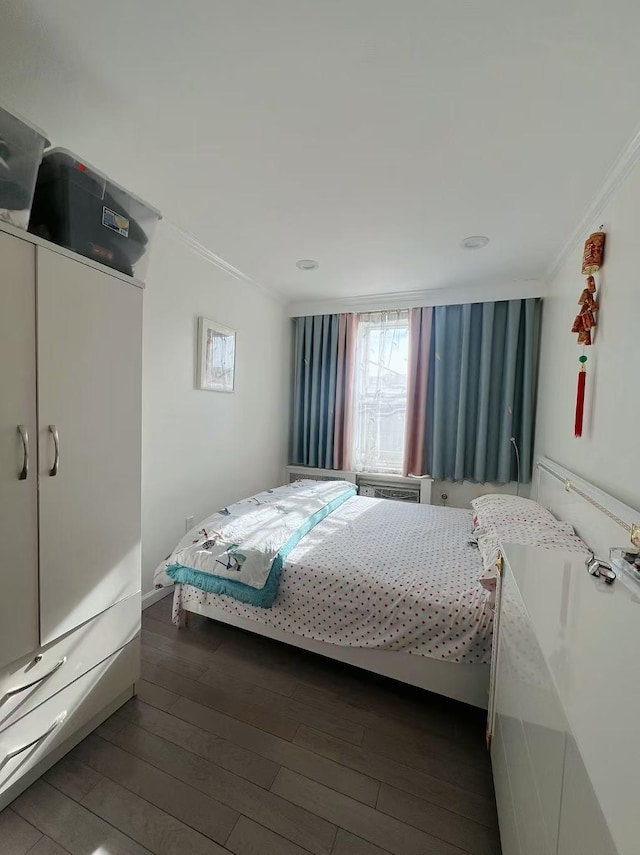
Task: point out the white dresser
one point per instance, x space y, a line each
70 474
565 744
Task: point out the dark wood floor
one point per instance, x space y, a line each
239 744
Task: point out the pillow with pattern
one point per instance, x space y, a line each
496 510
556 535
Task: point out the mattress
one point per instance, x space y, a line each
383 574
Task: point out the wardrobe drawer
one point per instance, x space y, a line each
32 738
26 683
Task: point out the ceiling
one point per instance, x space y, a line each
369 135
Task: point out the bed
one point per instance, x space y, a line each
386 586
405 591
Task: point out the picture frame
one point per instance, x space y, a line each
216 356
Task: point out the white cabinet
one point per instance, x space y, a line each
582 827
564 747
70 483
18 464
89 395
533 743
27 744
502 784
26 684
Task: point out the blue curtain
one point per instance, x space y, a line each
481 390
314 390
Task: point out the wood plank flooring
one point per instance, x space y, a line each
237 744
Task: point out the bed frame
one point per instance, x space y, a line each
464 682
599 519
558 489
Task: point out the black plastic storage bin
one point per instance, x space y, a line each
78 207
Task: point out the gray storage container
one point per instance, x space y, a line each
21 147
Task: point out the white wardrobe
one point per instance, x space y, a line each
70 482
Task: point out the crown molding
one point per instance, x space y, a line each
200 249
416 299
625 162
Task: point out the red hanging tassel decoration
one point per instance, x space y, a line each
585 321
582 380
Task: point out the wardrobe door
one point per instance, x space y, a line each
18 468
89 431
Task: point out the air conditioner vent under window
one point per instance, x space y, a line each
398 494
297 476
376 485
296 473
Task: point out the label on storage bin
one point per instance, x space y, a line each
115 222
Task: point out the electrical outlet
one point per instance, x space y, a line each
188 524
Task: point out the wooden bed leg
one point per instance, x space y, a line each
183 619
187 616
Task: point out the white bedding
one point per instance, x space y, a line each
378 573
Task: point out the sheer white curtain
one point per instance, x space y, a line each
380 391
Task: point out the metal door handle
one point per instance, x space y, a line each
22 430
14 753
17 689
56 445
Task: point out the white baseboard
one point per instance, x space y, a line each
155 595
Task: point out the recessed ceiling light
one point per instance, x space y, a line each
307 264
475 242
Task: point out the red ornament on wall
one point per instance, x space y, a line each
593 253
585 321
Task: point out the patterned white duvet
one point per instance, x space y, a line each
378 573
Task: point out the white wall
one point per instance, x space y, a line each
607 453
203 450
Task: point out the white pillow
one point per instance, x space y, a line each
496 510
548 536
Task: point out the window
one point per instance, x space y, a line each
380 391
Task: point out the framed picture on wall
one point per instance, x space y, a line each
216 356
